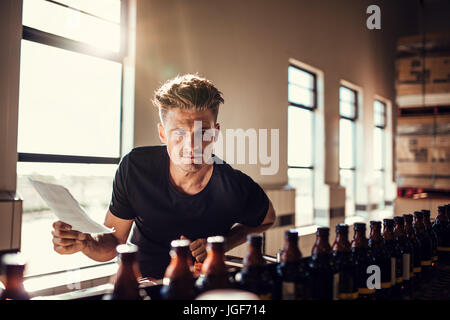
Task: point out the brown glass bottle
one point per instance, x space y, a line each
426 249
381 259
407 251
126 286
394 251
255 276
433 237
292 271
441 227
214 274
14 267
343 262
362 259
179 282
324 276
410 234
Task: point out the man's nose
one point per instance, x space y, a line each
193 142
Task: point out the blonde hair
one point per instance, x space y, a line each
188 92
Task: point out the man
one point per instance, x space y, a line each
174 190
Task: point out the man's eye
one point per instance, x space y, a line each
179 132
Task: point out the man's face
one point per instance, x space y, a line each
189 136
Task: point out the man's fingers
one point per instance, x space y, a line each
183 238
198 251
73 248
63 242
201 257
69 234
197 243
59 225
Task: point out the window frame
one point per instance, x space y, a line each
52 40
353 121
381 204
312 110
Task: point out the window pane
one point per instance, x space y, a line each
345 94
90 184
300 78
69 103
347 109
300 95
302 181
106 9
348 181
379 113
300 137
346 143
379 191
72 24
378 152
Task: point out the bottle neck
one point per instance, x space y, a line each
321 247
418 225
441 216
215 261
359 240
254 257
388 233
14 278
399 230
341 244
291 252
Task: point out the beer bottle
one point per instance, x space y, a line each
411 236
406 249
255 276
126 286
394 251
426 249
343 261
362 259
178 281
433 237
325 278
441 227
14 267
291 269
214 274
381 259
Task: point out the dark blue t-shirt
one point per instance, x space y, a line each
142 191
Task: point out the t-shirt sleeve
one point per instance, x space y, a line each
120 204
255 202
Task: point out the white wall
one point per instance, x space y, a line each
244 48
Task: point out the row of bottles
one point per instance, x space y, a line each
400 257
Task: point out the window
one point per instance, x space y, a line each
302 93
348 112
70 115
379 152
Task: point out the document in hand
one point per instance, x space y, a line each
67 209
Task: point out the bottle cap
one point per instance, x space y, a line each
216 239
126 248
399 220
388 222
180 243
342 228
255 239
359 226
375 223
291 234
323 231
13 259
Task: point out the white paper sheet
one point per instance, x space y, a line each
67 209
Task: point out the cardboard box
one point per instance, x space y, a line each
415 75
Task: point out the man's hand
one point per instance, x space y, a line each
198 248
66 240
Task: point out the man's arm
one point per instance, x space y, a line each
238 233
100 247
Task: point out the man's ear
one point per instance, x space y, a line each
162 134
216 135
